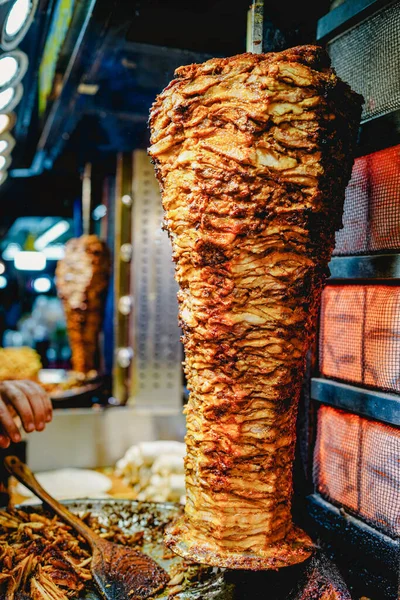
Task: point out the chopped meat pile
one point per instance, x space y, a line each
253 154
44 559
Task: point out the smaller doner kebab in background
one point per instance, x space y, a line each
82 278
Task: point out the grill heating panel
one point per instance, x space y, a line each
356 384
371 219
357 466
360 335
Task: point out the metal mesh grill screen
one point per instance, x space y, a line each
371 219
360 335
357 466
367 57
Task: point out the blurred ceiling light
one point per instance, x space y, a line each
17 21
3 176
11 251
29 261
7 122
13 66
5 162
51 234
56 252
2 268
7 143
88 89
8 69
41 285
99 212
3 282
10 97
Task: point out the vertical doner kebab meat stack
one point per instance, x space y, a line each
82 279
253 154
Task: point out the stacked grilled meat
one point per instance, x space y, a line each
82 279
253 154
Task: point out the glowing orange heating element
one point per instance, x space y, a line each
360 335
357 465
372 206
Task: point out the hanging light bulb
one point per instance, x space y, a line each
7 143
5 162
8 69
6 97
10 97
7 122
17 21
17 17
13 66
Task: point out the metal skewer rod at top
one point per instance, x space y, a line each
86 197
255 22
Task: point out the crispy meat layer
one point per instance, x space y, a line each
253 154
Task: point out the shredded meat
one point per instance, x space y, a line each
253 154
44 559
82 278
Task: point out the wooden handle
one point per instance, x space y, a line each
25 476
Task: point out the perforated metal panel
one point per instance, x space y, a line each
367 57
157 369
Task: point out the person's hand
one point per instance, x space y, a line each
29 402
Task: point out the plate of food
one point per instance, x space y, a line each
43 558
65 385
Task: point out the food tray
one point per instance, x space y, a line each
78 396
205 583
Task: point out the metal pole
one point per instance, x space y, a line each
255 21
86 197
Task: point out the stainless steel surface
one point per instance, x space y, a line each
255 25
156 379
101 436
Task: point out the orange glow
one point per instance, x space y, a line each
357 466
372 206
384 168
360 335
336 454
352 239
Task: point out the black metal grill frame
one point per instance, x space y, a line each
376 549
